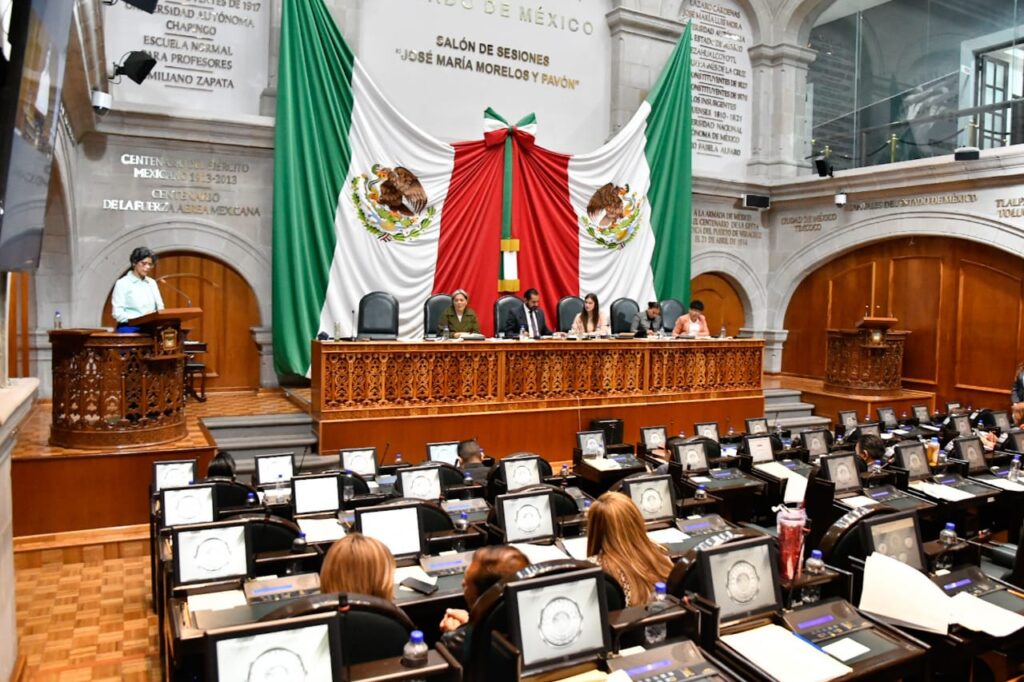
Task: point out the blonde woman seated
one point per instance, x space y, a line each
617 542
360 564
591 320
459 318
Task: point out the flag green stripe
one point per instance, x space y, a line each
311 160
668 155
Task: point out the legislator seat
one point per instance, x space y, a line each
568 308
622 313
432 311
378 316
503 307
671 310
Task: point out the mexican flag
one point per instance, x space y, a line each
366 201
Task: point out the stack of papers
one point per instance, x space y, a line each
413 572
321 530
667 536
216 601
576 547
940 492
858 501
796 486
538 554
785 656
603 464
1003 484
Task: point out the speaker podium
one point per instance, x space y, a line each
868 359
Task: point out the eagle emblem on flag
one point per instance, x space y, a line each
612 219
391 203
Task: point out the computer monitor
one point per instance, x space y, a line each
895 535
398 526
707 430
316 493
1015 440
887 416
188 505
520 472
841 469
692 456
421 483
757 426
871 428
526 517
590 442
961 424
741 578
211 551
816 442
612 429
1002 420
560 620
921 414
912 457
760 448
270 469
173 473
362 461
446 453
971 451
848 418
952 408
653 437
301 648
655 496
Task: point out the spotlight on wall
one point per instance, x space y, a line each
823 166
144 5
840 199
136 66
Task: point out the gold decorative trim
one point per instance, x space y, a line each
508 284
509 245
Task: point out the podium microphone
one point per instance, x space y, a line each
188 299
354 330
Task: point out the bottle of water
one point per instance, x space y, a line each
1014 473
57 323
523 333
461 526
398 458
299 544
447 333
565 476
876 467
586 513
414 654
250 500
812 567
700 493
467 479
947 538
655 634
722 333
348 486
278 494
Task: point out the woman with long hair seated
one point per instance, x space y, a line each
617 542
361 564
591 320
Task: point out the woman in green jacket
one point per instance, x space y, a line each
459 318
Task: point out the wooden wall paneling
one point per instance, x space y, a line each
804 351
722 304
19 304
851 292
922 275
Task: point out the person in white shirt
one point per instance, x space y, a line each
136 293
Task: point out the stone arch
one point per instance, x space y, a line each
797 17
742 277
173 235
783 282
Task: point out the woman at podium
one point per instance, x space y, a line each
136 293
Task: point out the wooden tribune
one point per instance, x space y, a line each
120 390
868 358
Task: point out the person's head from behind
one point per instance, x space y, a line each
361 564
470 452
491 565
653 309
531 298
870 447
460 300
143 260
221 466
696 309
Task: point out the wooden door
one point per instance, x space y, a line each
229 310
722 304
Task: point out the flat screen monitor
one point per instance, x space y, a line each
362 461
209 552
1002 420
757 426
921 414
760 448
707 430
848 418
971 451
173 473
871 428
816 442
841 469
316 494
912 457
188 505
887 416
952 408
1015 440
446 453
612 429
590 442
961 424
302 648
270 469
897 536
655 496
653 437
520 472
526 517
692 456
397 526
421 483
742 578
560 620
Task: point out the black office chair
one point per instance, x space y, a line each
623 311
270 533
378 316
568 308
231 495
503 307
358 483
432 311
433 517
671 310
451 476
565 504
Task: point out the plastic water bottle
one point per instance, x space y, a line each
250 500
655 634
565 476
299 544
1014 473
348 486
876 467
586 513
947 535
947 538
461 527
57 324
812 567
447 333
722 333
700 493
467 479
279 494
523 333
398 458
414 654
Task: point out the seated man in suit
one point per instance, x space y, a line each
472 459
530 317
647 320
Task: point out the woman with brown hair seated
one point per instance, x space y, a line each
360 564
617 542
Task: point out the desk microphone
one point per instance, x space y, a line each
354 330
188 299
387 446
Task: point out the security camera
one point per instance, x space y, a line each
840 199
101 102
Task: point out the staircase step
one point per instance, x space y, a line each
780 396
783 410
258 426
798 424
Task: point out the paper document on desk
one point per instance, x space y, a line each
785 656
1003 484
415 572
576 547
603 464
216 601
858 501
981 616
940 492
796 485
902 594
538 554
667 536
321 530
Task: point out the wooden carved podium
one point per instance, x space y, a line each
868 359
120 390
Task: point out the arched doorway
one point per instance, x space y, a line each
229 308
722 303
